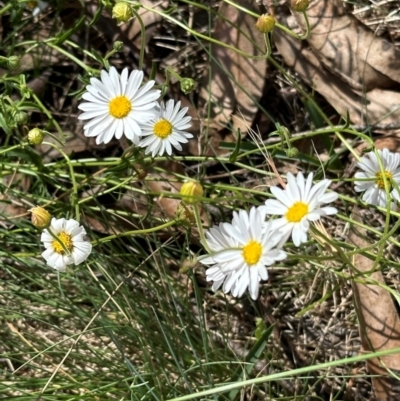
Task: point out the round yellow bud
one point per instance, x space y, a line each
122 12
191 191
35 136
41 218
265 23
299 5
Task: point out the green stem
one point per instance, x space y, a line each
143 37
305 36
48 114
201 36
6 8
74 197
136 232
20 145
200 228
71 57
287 374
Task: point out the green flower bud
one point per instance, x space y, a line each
14 62
265 23
118 46
299 5
292 152
188 85
122 12
35 136
20 117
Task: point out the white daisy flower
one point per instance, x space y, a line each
299 204
37 6
240 253
166 129
373 184
70 233
118 105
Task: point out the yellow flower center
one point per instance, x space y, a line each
297 212
120 107
66 239
252 252
163 129
379 179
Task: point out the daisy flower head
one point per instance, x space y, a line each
74 249
372 175
166 130
37 6
118 105
299 204
240 253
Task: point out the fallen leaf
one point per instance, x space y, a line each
378 318
350 49
150 19
376 106
234 83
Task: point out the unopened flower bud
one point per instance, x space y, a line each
191 191
299 5
122 12
35 136
118 46
141 174
20 117
13 62
265 23
41 218
188 85
292 152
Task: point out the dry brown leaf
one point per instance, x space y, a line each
376 106
236 85
379 321
150 19
350 49
165 184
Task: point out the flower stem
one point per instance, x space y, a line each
136 232
74 197
200 228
